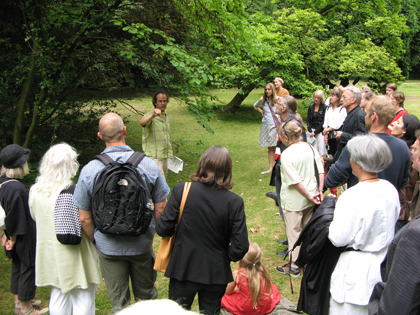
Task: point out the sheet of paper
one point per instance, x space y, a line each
310 139
175 164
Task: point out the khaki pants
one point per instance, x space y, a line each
163 166
295 222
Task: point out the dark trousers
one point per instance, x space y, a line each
22 281
209 295
332 143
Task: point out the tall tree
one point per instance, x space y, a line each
54 52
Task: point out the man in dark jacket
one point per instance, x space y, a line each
379 114
354 124
399 293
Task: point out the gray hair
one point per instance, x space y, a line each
370 152
368 95
58 166
355 92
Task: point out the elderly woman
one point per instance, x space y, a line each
19 238
335 115
72 271
364 220
281 91
299 188
315 121
398 98
212 233
268 134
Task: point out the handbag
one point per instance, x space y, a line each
68 228
167 243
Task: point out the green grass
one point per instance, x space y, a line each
238 132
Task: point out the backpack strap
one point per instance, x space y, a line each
135 158
104 158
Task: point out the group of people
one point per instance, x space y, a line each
370 137
212 230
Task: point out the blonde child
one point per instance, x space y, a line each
251 291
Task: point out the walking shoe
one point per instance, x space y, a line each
283 253
286 270
284 242
18 305
35 310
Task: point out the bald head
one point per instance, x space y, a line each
111 128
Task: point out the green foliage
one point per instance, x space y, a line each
357 39
55 51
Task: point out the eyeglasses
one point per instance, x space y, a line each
284 130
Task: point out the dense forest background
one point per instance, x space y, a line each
65 63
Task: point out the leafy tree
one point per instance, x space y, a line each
326 41
54 52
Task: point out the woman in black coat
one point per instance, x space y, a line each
212 233
315 120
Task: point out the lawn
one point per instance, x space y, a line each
238 132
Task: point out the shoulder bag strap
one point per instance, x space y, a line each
8 181
187 187
277 122
316 168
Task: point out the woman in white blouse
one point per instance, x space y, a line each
364 221
334 119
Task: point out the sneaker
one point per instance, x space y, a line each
34 303
35 310
286 270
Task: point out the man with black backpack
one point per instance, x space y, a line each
114 194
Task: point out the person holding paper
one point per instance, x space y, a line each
156 140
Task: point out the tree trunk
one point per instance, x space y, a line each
356 80
236 102
344 82
17 137
35 119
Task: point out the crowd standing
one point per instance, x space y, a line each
57 236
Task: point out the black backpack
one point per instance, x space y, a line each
119 200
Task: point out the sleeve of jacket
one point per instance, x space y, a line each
402 290
340 171
308 117
321 118
359 128
406 177
165 225
239 243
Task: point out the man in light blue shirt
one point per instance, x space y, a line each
122 257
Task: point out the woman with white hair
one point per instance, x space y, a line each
315 120
66 259
364 221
